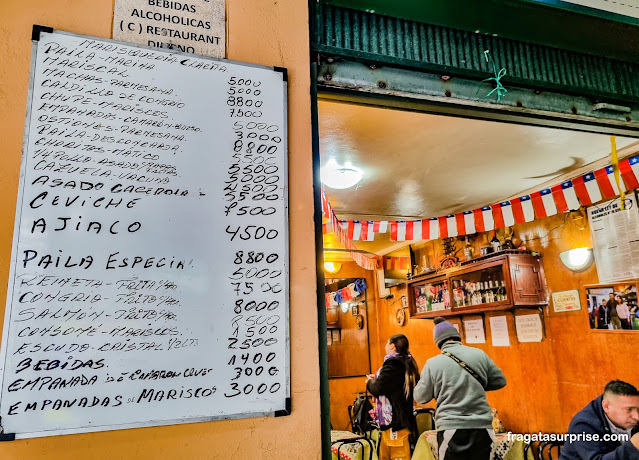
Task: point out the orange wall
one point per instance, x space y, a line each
548 382
259 31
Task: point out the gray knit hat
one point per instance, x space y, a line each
444 331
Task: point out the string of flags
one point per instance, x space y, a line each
566 196
336 226
350 292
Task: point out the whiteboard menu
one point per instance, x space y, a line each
615 237
149 274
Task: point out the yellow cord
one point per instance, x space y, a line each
615 168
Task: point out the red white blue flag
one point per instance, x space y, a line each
629 169
465 223
523 210
484 221
587 189
543 203
607 183
565 197
503 214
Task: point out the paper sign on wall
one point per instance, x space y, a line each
528 328
195 26
499 331
615 237
566 301
474 331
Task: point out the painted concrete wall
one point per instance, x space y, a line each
273 33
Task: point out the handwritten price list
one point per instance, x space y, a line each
149 275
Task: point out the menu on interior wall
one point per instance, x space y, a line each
193 26
615 237
149 274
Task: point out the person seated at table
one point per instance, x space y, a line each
616 412
393 389
458 380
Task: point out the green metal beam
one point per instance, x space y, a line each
382 40
433 93
546 22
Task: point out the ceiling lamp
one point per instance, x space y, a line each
578 259
332 267
335 176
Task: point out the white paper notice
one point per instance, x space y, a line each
499 331
474 331
615 237
528 328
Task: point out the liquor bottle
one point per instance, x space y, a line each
495 243
468 250
485 248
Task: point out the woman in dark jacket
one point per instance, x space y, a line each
393 387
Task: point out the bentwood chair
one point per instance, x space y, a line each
546 448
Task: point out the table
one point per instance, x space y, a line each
503 449
353 450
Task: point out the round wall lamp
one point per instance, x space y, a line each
340 177
332 267
345 307
578 259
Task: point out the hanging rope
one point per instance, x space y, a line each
615 168
501 90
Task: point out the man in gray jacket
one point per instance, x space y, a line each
458 380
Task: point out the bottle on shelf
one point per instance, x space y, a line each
486 248
468 250
494 242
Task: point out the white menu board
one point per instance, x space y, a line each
149 274
615 237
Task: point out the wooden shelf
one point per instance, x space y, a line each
514 278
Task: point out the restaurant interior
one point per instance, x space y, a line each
525 289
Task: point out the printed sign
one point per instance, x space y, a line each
528 328
196 27
615 237
566 301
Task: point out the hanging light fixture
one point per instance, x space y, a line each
340 177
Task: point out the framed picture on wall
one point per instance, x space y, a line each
613 307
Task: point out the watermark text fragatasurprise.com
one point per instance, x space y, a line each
566 437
